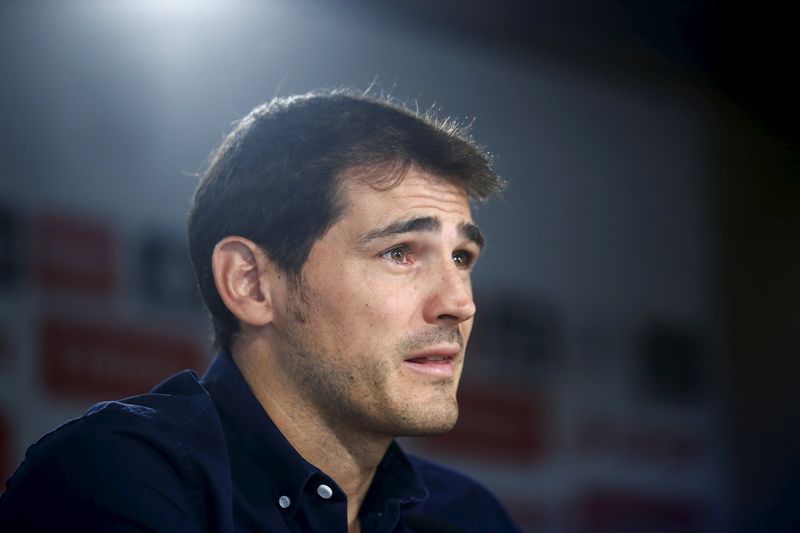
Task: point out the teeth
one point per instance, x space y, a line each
435 358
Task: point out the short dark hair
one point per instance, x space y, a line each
275 177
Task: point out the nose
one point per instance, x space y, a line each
451 300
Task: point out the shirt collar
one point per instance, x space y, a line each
258 450
396 480
266 457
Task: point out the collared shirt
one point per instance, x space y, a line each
202 455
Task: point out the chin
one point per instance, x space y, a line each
429 423
431 431
427 431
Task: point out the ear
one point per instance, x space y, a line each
242 275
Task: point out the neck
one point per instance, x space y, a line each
348 456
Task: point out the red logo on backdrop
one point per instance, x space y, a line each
73 254
110 361
498 425
602 510
670 445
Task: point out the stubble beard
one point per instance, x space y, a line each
353 392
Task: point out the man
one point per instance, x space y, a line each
333 242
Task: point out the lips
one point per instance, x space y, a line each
430 359
437 362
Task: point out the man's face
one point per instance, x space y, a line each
374 338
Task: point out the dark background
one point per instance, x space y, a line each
634 362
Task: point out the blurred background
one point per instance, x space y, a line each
635 357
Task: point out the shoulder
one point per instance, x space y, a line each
457 499
128 463
176 416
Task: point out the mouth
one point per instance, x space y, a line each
435 362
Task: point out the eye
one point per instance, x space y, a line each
463 259
398 254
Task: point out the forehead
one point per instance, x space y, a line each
417 192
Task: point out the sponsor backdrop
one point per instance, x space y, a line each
595 396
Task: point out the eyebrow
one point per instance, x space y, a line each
467 230
473 233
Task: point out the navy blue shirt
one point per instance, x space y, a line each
202 455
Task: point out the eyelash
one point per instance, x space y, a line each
404 248
469 257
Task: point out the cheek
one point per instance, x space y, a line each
390 302
354 303
349 306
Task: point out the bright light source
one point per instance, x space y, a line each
175 10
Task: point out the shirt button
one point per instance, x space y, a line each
284 502
324 491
